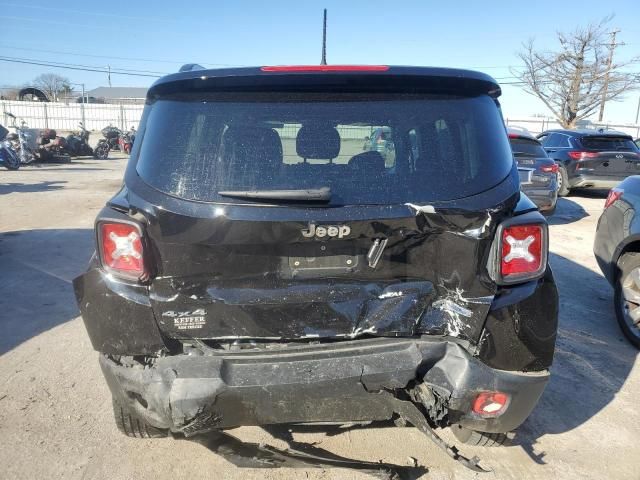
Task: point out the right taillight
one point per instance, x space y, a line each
550 168
614 195
580 155
121 250
521 252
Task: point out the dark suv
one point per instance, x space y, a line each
538 173
257 267
591 158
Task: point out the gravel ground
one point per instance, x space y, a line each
55 412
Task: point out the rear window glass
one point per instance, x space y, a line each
367 150
608 143
524 147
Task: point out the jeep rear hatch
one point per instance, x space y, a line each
272 214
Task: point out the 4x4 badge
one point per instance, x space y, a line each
339 231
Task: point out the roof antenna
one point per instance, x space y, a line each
324 39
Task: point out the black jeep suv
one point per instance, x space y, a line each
257 267
591 158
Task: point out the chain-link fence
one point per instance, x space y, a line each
65 116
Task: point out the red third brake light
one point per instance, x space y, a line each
121 250
490 404
522 251
576 155
325 68
614 195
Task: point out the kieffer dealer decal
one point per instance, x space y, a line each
190 320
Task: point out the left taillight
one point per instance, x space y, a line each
121 249
521 252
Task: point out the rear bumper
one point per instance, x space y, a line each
545 198
587 180
334 382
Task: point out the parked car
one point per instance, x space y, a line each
591 158
538 173
617 250
230 287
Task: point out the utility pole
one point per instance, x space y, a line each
109 74
638 111
323 61
605 88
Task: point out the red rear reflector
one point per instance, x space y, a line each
514 135
490 404
521 250
325 68
121 249
576 155
550 168
614 195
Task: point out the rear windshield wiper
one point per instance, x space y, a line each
303 195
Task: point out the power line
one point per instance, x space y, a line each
109 57
67 67
65 64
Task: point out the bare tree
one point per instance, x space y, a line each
53 85
9 93
573 80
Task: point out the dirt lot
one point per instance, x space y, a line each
55 413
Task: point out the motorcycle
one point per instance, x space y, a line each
77 144
8 157
126 140
22 141
110 142
52 148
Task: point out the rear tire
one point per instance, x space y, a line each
629 267
563 182
478 439
133 426
101 152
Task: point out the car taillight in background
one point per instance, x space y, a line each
520 250
579 155
120 249
614 195
490 404
550 168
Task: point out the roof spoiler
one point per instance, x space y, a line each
191 67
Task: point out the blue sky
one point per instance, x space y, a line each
159 36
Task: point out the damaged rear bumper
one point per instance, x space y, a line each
335 382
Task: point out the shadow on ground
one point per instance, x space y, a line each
569 211
37 268
13 187
592 359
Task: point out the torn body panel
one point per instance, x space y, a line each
339 382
